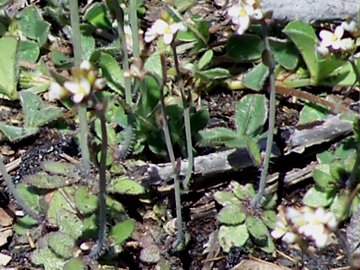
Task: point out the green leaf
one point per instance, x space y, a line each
123 185
214 74
14 134
245 47
36 112
251 114
153 64
323 178
85 201
8 67
61 244
87 46
205 59
69 223
96 15
112 73
243 192
269 218
226 198
257 229
269 246
28 51
24 224
305 39
199 120
316 198
44 256
30 196
61 168
57 202
232 236
256 77
312 112
60 59
46 181
33 26
150 96
339 204
254 150
231 215
74 264
285 53
216 136
122 231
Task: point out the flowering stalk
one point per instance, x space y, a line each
82 110
101 243
127 79
179 244
134 28
186 101
271 128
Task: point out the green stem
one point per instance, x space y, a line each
186 114
75 28
125 58
84 146
13 191
101 109
134 28
272 110
180 232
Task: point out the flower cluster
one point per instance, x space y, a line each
80 85
334 41
166 30
295 224
242 13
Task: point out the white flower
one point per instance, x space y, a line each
330 39
316 225
347 44
323 50
283 231
85 65
57 92
242 13
240 16
80 89
350 26
164 29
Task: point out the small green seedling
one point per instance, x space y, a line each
241 222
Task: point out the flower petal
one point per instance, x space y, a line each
168 37
160 26
339 32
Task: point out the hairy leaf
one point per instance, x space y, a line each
232 236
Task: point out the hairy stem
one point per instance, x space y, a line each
12 189
186 100
124 149
100 110
82 111
265 166
180 232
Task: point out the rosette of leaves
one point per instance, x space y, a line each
146 112
240 221
250 116
332 177
70 208
36 113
